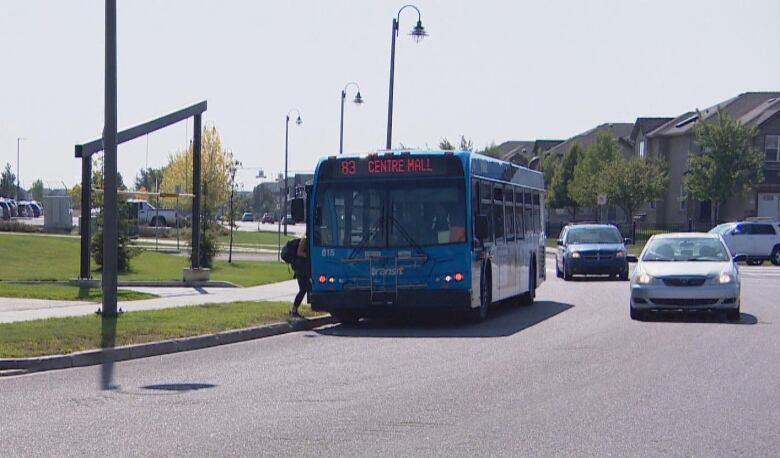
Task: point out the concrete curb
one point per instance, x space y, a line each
159 284
16 366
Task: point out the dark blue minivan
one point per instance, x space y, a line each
591 249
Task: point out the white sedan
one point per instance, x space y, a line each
686 271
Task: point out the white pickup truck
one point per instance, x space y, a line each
146 213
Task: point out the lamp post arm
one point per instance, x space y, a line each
398 16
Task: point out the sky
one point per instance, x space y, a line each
490 70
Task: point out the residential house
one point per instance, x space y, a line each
521 152
674 142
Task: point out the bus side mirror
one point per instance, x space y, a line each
481 227
297 209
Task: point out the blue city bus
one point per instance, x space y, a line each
404 230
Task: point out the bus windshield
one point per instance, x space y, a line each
388 213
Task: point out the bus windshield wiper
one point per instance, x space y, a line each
370 232
406 235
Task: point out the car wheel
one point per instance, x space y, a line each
638 315
754 262
623 275
775 259
733 315
558 272
566 273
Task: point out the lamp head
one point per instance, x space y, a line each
358 99
299 121
418 32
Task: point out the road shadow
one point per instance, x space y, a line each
501 322
698 317
179 387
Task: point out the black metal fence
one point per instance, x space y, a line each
639 232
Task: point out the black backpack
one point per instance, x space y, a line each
290 250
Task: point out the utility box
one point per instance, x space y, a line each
57 213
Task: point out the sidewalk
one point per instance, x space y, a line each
12 309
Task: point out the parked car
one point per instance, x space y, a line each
757 240
37 208
268 218
247 216
591 249
14 208
686 271
5 210
24 210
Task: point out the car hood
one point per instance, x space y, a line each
681 268
596 247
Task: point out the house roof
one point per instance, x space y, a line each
750 108
619 130
524 150
646 125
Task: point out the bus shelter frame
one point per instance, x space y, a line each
84 151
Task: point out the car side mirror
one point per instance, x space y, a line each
739 258
628 241
560 242
297 209
481 227
632 258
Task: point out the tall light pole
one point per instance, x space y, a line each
110 210
418 33
18 178
358 100
298 121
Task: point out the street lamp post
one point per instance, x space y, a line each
298 121
358 100
18 177
418 33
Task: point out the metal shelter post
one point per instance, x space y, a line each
86 215
196 133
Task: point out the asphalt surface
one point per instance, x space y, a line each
570 375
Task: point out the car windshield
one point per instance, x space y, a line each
579 235
720 229
685 249
390 214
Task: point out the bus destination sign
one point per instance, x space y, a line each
393 166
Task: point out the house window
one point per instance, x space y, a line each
642 148
683 197
772 148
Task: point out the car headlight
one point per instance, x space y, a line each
620 254
724 278
645 279
575 254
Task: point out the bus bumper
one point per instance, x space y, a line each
362 301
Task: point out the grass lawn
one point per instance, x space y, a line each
66 335
31 257
253 238
65 293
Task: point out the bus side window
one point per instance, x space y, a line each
537 215
498 213
509 215
527 214
519 213
485 207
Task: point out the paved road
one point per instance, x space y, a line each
571 375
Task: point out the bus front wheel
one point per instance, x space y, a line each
479 314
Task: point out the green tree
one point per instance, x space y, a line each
75 196
8 183
465 144
588 173
446 144
147 179
632 183
125 252
729 166
491 150
548 166
37 190
559 193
